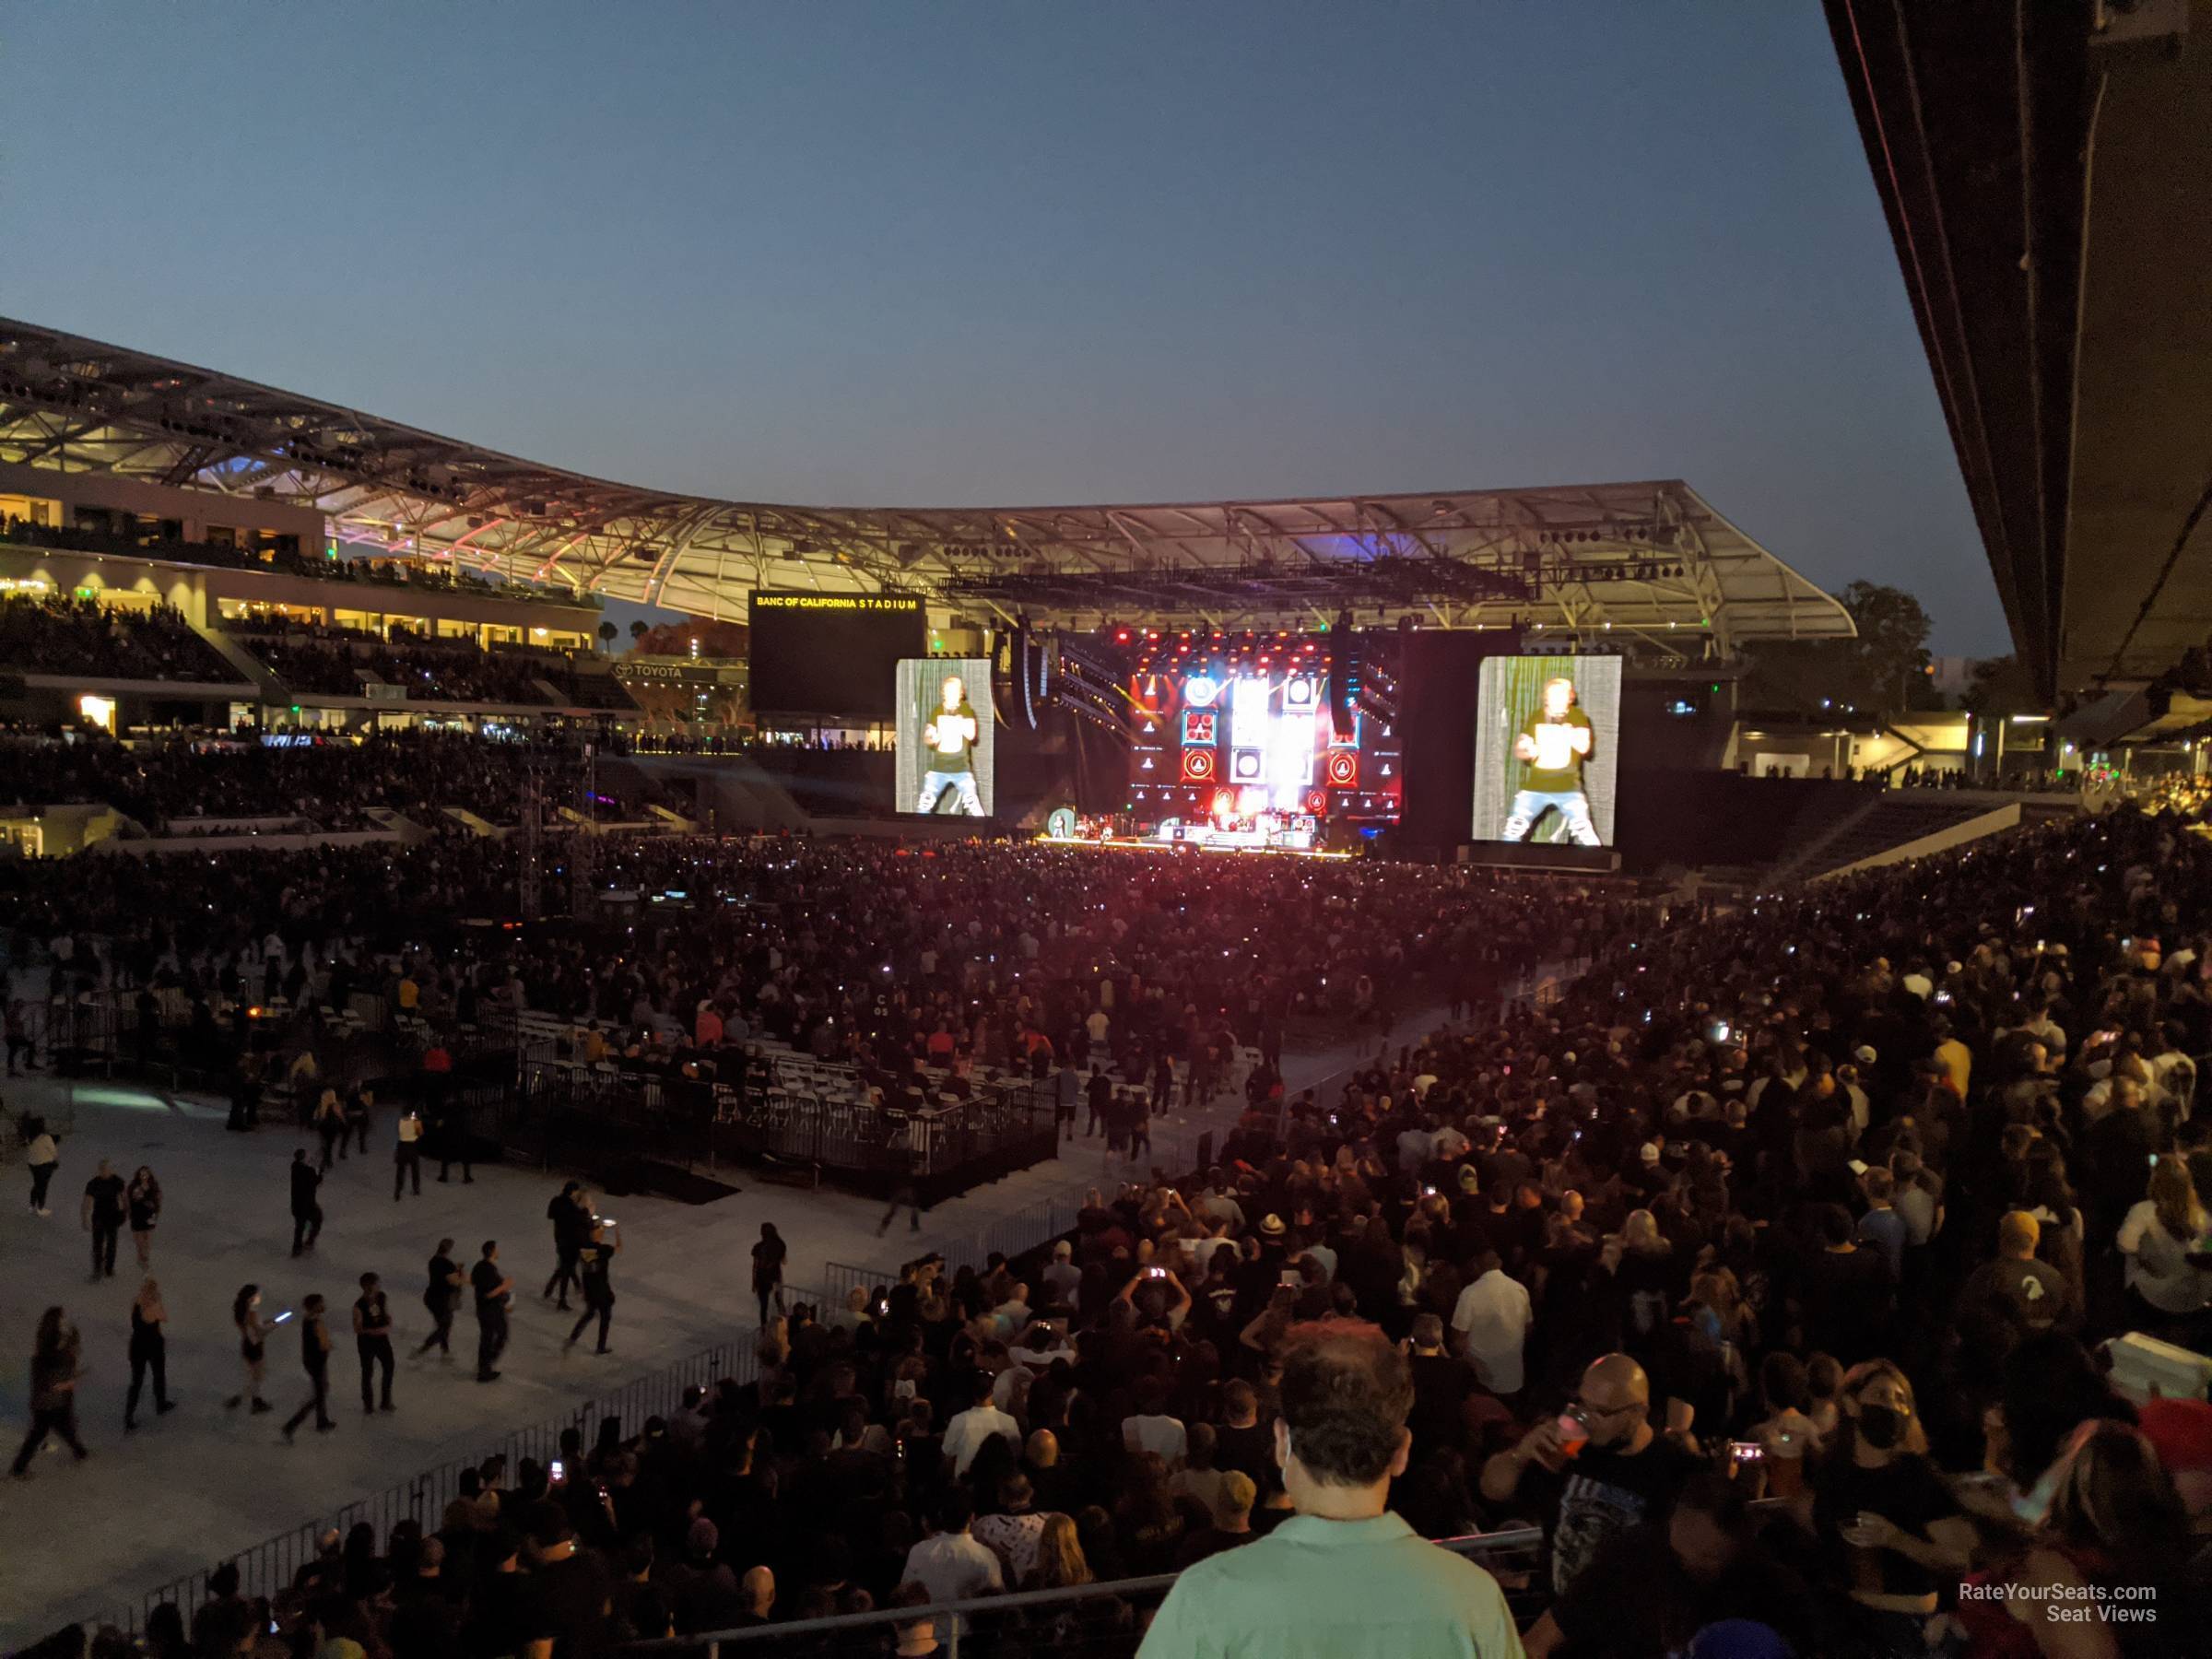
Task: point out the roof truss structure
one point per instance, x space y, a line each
1652 558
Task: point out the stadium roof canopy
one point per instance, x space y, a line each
1653 558
2046 170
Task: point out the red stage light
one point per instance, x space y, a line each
1343 769
1197 766
1317 802
1225 802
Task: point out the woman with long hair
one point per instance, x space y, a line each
1060 1562
144 1196
2166 1293
2114 1534
1890 1533
149 1351
253 1348
53 1373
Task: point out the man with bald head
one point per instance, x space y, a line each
1595 1470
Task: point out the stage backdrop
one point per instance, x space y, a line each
1511 693
921 696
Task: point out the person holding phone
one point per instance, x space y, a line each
252 1348
950 735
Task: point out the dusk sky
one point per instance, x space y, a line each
967 254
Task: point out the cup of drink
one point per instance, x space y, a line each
1574 1434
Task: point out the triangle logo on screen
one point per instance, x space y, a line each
1147 765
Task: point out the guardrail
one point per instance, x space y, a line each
1088 1620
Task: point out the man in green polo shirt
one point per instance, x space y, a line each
1344 1577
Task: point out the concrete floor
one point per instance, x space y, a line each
187 1489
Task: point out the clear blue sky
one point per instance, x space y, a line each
996 253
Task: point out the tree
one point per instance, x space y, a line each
2003 686
640 628
607 633
1884 671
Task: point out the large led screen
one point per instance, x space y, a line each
1546 756
944 738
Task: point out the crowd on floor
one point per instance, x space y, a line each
1774 1272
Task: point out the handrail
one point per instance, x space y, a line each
1515 1537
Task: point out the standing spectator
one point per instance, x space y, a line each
407 1154
360 1105
104 1213
595 1263
2161 1238
569 1212
372 1339
253 1348
1012 1532
1596 1469
149 1351
768 1269
144 1198
948 1563
441 1297
1150 1428
965 1434
53 1373
314 1358
307 1209
1493 1319
1343 1575
571 1591
330 1126
493 1289
1887 1526
42 1157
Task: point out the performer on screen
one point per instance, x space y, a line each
1553 743
951 736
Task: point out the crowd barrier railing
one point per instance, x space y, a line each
268 1568
1090 1621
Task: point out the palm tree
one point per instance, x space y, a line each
607 632
640 628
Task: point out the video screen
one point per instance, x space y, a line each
1246 747
944 759
831 653
1546 756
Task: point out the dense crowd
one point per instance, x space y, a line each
1827 1201
446 672
334 785
57 635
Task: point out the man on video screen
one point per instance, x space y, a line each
1553 743
951 737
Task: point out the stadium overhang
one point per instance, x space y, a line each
1651 559
2046 169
